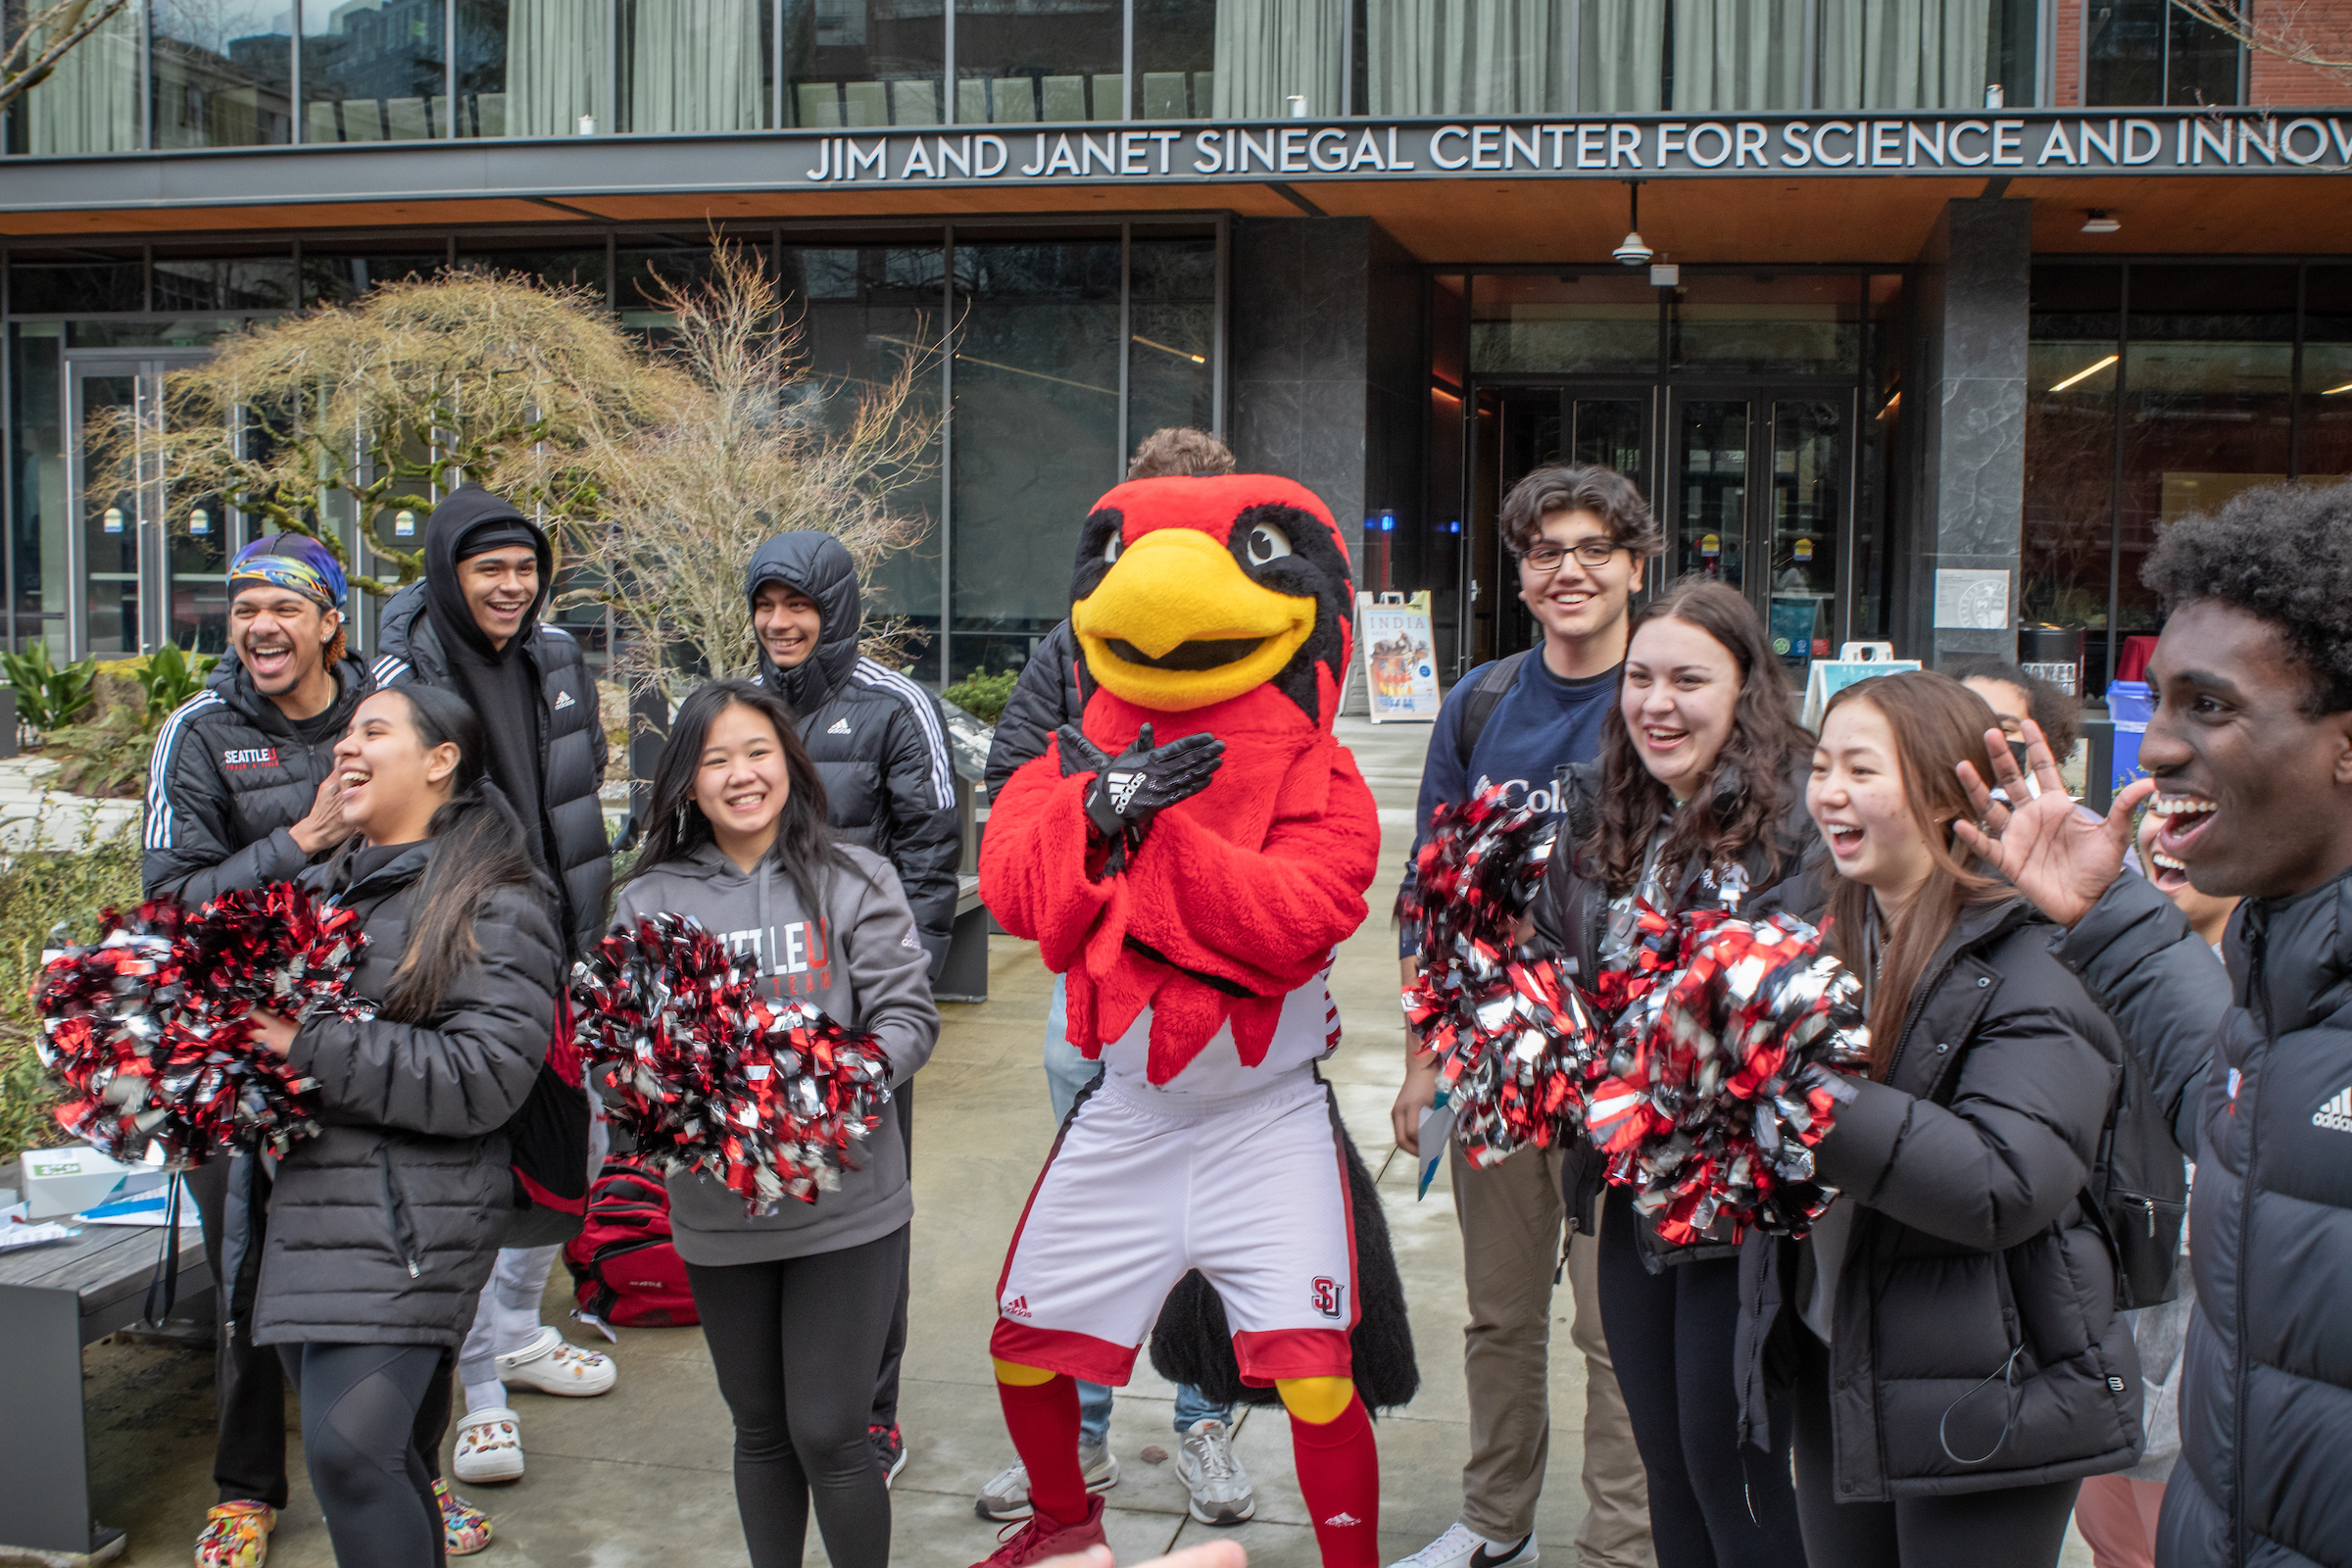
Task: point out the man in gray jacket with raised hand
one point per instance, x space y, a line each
2250 762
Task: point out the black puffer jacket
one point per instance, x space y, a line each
1973 1251
2257 1078
877 738
1052 692
572 744
384 1228
229 778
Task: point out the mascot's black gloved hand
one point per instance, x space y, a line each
1141 781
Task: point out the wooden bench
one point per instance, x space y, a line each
54 1300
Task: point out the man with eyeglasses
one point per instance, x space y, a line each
1581 535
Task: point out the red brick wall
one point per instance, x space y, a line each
2067 56
2325 24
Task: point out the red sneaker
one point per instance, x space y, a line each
1040 1538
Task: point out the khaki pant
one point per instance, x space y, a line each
1512 1216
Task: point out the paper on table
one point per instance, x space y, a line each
1436 1130
15 1236
147 1208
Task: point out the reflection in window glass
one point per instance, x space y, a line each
2326 374
1171 304
373 70
37 480
1805 505
1800 325
1710 477
530 67
862 311
1175 59
1568 323
644 266
42 285
1023 62
1269 50
2151 52
1037 435
222 73
694 65
331 279
224 282
90 103
2200 62
1466 57
2207 381
854 62
2072 359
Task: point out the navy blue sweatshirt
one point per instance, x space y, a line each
1541 723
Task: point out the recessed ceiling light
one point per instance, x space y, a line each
2100 221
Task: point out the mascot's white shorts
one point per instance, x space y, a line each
1250 1191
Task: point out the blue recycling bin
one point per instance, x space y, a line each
2130 703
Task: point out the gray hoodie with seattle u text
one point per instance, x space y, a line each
860 958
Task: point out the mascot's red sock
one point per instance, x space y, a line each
1042 1418
1339 1473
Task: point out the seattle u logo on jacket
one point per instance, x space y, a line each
797 955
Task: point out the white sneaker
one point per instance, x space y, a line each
1007 1495
553 1364
1462 1548
489 1447
1219 1490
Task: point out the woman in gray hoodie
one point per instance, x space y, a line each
795 1304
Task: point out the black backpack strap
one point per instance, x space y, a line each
1479 706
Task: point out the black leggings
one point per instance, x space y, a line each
795 1344
358 1424
2016 1526
1714 1502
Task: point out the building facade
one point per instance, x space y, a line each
1947 306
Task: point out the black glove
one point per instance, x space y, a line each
1143 780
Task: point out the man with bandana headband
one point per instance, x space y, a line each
241 793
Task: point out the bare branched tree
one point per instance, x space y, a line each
379 407
47 36
2281 27
757 445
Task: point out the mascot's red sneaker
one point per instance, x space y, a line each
1040 1538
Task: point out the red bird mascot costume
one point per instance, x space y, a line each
1194 889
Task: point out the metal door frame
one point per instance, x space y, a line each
147 366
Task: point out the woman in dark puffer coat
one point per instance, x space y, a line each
383 1227
1949 1327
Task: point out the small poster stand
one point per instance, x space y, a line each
1397 653
1855 661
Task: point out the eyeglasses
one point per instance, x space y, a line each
1588 552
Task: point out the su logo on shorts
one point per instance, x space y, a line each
1328 1296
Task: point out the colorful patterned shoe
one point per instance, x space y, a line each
236 1535
553 1364
464 1529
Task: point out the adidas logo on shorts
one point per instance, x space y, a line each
2336 1115
1019 1306
1343 1519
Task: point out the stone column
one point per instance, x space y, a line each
1966 390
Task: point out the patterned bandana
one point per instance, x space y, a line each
290 561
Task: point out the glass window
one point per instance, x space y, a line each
2326 374
1789 324
74 281
224 282
694 65
1175 59
1621 57
1907 54
1467 57
222 72
853 62
1566 324
1171 308
1269 50
331 278
2152 52
556 269
37 543
1023 62
530 67
2071 359
1037 435
183 332
1737 55
373 70
2207 382
90 103
653 260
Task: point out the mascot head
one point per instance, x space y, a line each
1194 590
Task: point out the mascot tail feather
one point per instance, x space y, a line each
1192 1343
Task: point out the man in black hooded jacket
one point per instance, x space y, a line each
880 744
2250 761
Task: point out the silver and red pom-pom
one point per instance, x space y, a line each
1725 1073
1514 1039
712 1075
152 1028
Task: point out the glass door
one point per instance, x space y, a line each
138 583
1523 429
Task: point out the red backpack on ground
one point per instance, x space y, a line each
627 1271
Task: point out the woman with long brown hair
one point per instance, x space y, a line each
1949 1327
1694 804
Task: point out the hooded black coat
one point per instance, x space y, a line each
1974 1250
383 1227
571 731
2257 1079
1049 694
230 779
878 739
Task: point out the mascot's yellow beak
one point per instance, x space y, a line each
1176 623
